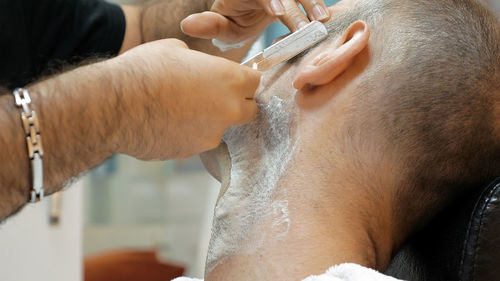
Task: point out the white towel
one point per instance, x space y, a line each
341 272
351 272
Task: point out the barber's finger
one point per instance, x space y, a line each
294 18
316 9
249 111
209 25
251 81
173 42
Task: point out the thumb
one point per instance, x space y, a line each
210 25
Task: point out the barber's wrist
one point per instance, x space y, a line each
122 87
75 102
22 181
134 91
34 144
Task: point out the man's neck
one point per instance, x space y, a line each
293 207
321 232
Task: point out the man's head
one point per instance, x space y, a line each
425 102
419 99
398 110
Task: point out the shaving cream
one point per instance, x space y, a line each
224 47
260 153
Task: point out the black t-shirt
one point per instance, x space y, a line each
39 35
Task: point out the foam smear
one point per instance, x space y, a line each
260 152
224 47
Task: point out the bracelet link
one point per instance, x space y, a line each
31 128
30 120
34 146
37 170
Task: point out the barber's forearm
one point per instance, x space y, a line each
161 19
14 165
78 128
141 103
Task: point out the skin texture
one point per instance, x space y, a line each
347 185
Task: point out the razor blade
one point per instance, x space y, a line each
289 47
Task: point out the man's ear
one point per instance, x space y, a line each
335 60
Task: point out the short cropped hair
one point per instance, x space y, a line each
433 90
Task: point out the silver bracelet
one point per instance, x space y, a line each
34 142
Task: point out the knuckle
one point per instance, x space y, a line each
177 42
250 87
238 83
292 12
256 80
296 15
291 8
249 80
213 142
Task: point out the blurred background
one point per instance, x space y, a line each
163 206
144 216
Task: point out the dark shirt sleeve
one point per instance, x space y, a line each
38 36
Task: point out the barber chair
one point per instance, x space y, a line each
461 244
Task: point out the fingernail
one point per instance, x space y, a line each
319 13
301 24
189 17
277 8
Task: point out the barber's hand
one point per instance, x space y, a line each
234 21
179 102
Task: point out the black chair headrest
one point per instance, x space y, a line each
462 243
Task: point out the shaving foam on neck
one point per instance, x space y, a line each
260 153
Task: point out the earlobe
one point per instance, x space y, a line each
326 66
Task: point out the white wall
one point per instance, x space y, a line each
31 249
177 223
